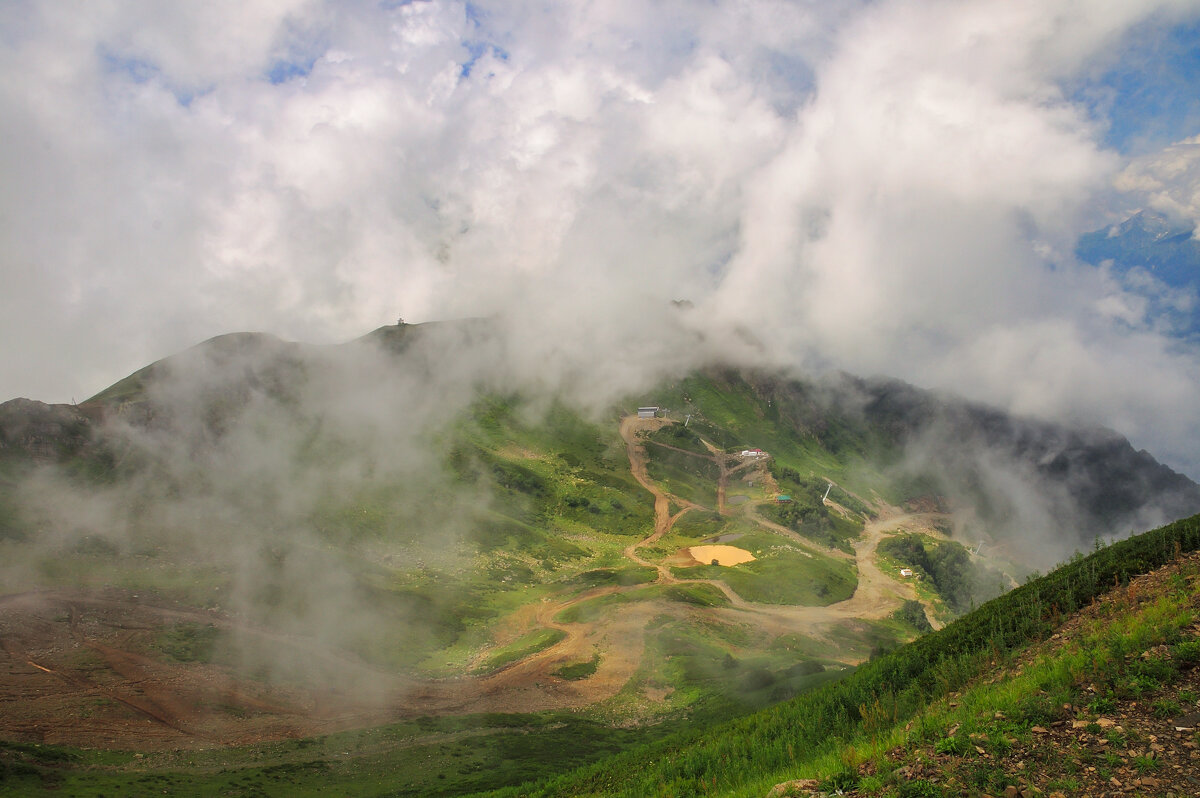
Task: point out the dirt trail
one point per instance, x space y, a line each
876 596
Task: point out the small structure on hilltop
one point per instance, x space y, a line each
753 453
647 412
906 572
783 498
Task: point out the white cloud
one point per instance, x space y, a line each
1167 181
889 187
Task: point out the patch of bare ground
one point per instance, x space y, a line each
74 670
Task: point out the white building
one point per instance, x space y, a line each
647 412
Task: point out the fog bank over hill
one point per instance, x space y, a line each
245 440
886 188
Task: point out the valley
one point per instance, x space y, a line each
84 667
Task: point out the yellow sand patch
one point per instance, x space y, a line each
724 555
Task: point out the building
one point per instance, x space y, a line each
783 498
906 572
755 453
647 412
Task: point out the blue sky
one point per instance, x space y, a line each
1150 96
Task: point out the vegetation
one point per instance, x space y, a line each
783 575
870 707
913 614
425 756
807 514
189 642
521 648
685 475
579 670
960 582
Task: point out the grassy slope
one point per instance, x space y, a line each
935 698
869 709
560 505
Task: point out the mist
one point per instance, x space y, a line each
888 188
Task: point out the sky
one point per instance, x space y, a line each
890 187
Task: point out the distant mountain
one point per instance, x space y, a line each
1167 250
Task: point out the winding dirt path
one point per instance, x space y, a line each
876 595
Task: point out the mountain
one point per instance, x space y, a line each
1169 250
1149 243
395 546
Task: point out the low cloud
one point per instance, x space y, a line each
886 188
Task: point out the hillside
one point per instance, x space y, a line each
259 560
1085 681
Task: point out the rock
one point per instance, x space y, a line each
794 787
1186 722
1039 730
1011 792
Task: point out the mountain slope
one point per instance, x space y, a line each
398 528
945 687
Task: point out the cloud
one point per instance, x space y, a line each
884 187
1167 181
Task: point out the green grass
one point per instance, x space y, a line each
684 475
781 574
624 576
579 670
697 595
426 756
597 608
189 642
521 648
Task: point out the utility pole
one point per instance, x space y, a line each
826 496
